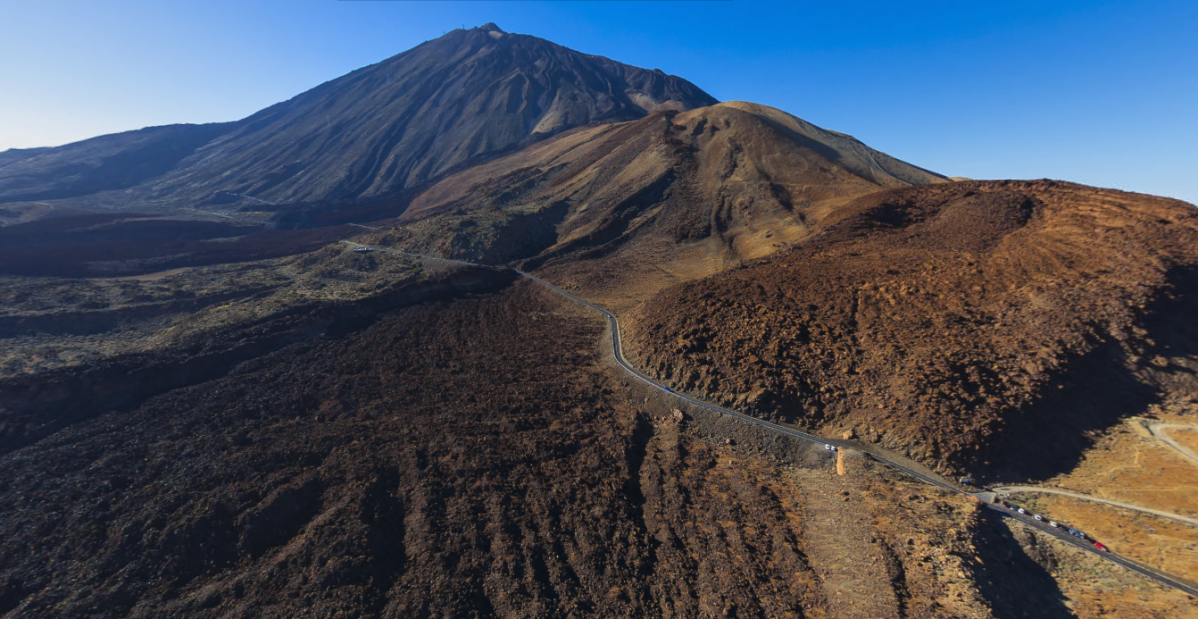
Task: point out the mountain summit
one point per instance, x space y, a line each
443 105
439 106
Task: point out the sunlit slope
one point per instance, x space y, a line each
697 190
982 324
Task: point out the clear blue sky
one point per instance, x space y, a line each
1104 93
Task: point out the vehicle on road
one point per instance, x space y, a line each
1038 517
1053 524
999 501
1099 546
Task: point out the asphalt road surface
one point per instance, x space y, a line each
983 496
1064 536
1094 499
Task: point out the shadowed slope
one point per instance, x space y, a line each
391 126
112 161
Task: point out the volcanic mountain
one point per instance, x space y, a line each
210 407
572 156
380 130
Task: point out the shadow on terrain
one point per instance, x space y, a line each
116 161
600 241
1174 333
1099 389
349 210
1051 436
1016 581
81 247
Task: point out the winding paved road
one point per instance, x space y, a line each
1086 497
982 496
618 353
1063 536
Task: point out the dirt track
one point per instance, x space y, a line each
1160 431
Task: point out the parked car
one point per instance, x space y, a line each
1038 517
1053 524
1099 546
1021 510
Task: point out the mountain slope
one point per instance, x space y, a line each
116 161
687 193
391 126
978 324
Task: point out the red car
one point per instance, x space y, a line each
1099 546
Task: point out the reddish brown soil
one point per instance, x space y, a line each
986 325
472 457
622 210
459 458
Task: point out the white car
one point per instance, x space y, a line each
1038 517
1053 524
1021 510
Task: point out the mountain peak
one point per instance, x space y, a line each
391 127
373 132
